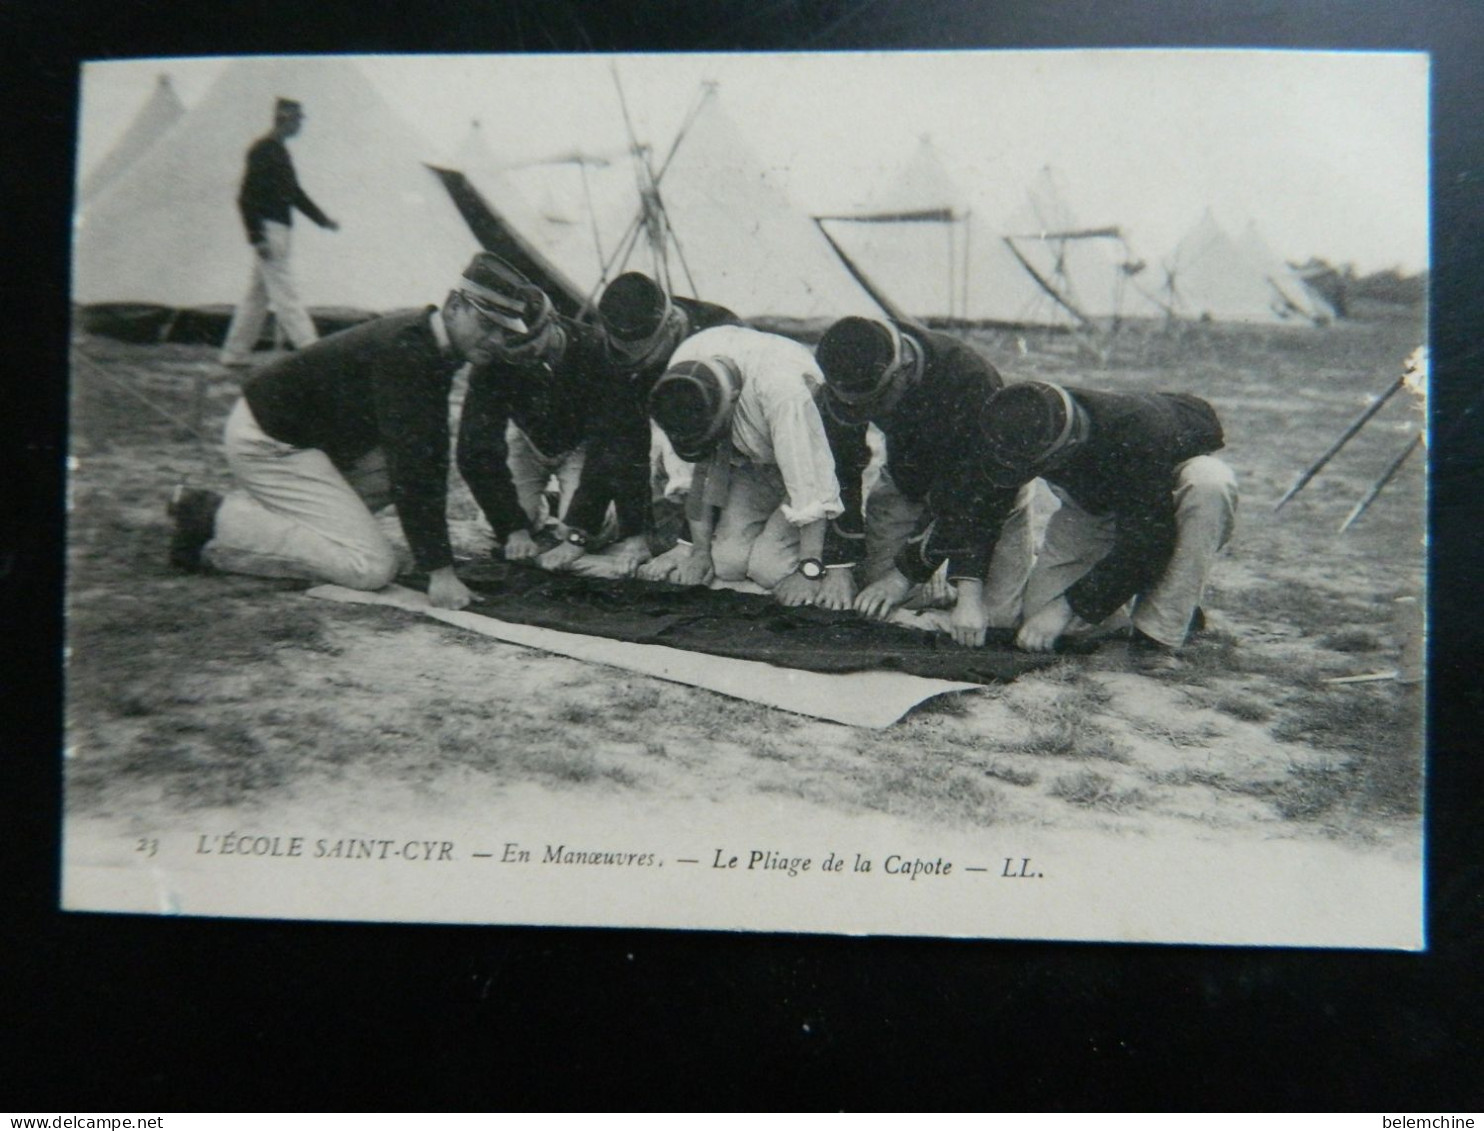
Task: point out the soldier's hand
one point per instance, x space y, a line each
663 567
795 590
969 619
939 592
630 554
560 557
521 547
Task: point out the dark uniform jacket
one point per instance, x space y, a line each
383 384
927 433
1126 469
554 404
270 190
617 466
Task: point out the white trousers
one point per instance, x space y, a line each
294 514
1205 516
532 471
271 287
892 519
752 540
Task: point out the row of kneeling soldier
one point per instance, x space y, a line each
580 443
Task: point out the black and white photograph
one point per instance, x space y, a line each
974 494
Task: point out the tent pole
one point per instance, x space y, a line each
1056 296
869 287
1345 437
625 247
1386 477
592 215
952 267
963 291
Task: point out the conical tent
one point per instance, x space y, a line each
585 204
1078 269
1210 277
168 231
738 240
910 238
477 160
1300 297
160 111
503 220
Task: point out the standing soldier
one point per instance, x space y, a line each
269 194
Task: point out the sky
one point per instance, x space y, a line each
1326 152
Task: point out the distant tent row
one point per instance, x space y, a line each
1085 270
164 235
919 244
1039 268
158 231
918 247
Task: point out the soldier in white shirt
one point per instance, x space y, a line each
739 404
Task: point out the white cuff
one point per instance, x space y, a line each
812 512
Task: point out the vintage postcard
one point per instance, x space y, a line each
970 494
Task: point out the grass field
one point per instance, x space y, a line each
186 692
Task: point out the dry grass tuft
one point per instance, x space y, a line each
1092 790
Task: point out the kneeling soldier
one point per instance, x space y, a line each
924 391
532 414
742 401
326 436
1144 508
641 328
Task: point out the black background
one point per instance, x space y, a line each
124 1013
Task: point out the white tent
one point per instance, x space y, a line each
477 160
167 230
160 111
1210 277
737 239
541 215
918 241
585 204
1300 297
909 238
1079 270
714 225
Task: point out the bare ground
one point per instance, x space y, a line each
189 694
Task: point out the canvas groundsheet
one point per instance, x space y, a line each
861 698
742 626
